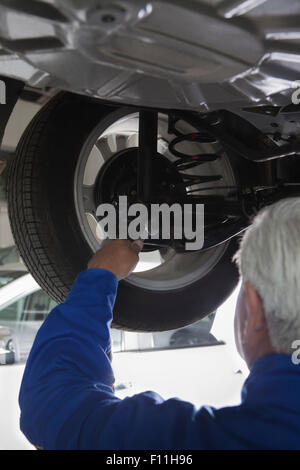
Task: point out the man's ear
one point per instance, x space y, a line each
254 307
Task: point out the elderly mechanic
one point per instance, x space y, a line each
67 399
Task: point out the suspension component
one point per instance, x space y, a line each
147 176
224 217
240 136
187 162
147 150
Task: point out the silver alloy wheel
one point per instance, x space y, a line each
117 132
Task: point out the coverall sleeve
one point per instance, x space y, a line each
66 396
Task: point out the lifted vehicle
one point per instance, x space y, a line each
177 102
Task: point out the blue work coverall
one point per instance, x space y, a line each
67 400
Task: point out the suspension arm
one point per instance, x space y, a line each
251 143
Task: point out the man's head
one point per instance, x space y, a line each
267 315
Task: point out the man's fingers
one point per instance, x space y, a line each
118 256
137 246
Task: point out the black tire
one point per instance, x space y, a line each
47 232
10 345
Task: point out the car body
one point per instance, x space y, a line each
187 55
21 313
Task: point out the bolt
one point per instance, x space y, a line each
108 18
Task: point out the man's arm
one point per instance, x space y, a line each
68 361
66 397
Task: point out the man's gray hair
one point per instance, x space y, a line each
269 258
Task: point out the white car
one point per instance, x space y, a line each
210 374
23 307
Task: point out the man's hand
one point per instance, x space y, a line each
118 256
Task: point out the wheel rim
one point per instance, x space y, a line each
157 270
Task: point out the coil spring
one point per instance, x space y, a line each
186 162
